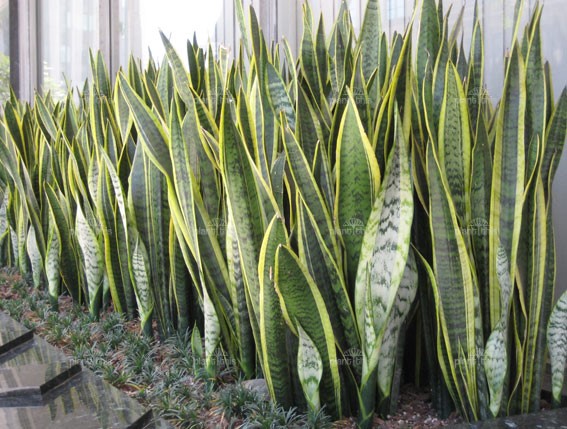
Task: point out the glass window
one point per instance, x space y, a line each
68 29
396 16
4 51
554 36
129 30
142 20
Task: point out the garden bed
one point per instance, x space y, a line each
167 377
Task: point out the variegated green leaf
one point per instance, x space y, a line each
357 182
385 245
504 280
35 257
246 347
495 367
70 250
150 130
369 38
536 297
245 206
308 58
279 96
272 331
242 26
309 368
309 191
557 344
454 142
180 77
92 257
428 42
212 333
535 82
495 353
555 140
454 284
140 272
330 279
508 175
382 262
52 260
390 342
302 303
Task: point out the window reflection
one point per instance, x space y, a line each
68 29
142 20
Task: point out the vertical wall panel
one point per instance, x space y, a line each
289 23
493 22
554 35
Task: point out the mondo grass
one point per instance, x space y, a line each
165 376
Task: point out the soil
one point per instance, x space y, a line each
414 409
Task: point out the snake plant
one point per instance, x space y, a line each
303 211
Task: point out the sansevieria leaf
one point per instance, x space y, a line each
370 37
358 179
245 205
302 304
149 128
390 342
455 299
278 95
495 353
212 332
309 368
93 260
495 366
52 260
508 175
140 271
385 245
557 344
382 262
35 257
272 329
454 142
309 190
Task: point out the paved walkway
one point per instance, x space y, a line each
40 388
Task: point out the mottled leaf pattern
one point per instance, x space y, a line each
508 175
93 259
390 342
212 332
385 245
139 266
302 304
557 343
495 366
35 257
309 368
358 179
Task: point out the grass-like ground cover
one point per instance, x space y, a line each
167 375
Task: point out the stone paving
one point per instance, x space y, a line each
548 419
40 388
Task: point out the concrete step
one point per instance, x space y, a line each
41 388
12 334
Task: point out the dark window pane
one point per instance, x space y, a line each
4 51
